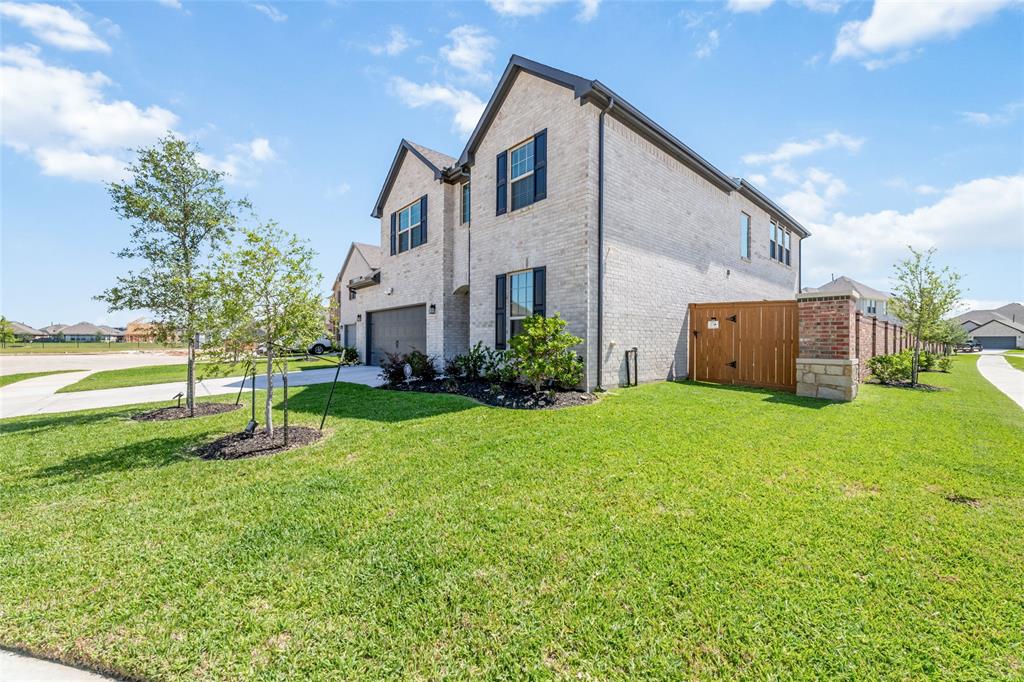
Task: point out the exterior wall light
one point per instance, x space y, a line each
433 309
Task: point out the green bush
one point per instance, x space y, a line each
891 369
422 365
471 363
945 363
543 353
392 369
495 366
926 361
348 356
452 368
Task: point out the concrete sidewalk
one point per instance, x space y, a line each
1003 376
15 667
38 396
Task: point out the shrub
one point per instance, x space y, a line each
423 366
891 369
494 365
348 356
945 363
543 352
392 369
452 368
926 361
471 363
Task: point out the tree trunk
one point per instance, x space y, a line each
917 353
267 414
285 381
190 389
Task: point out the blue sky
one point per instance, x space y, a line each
876 124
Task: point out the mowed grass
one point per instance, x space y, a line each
12 378
161 374
670 531
1015 361
81 347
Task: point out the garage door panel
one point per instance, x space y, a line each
997 342
399 330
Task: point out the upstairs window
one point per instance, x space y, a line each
871 306
522 174
779 243
772 244
465 203
409 226
744 236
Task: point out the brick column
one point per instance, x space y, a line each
827 366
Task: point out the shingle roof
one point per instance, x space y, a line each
1011 312
54 328
82 329
845 284
22 329
439 159
373 254
434 160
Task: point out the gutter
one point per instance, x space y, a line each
600 240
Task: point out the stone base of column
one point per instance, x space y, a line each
829 379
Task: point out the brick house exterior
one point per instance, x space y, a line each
578 204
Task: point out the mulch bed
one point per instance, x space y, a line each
242 445
164 414
514 396
906 385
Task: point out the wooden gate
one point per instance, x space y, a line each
749 343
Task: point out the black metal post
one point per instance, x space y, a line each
330 397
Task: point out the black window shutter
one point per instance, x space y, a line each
540 165
502 176
423 219
539 288
394 234
499 312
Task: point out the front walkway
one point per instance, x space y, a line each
38 396
1002 375
15 667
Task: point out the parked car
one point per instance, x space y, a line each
321 345
969 347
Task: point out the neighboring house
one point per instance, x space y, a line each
86 331
871 302
53 331
1000 328
141 331
566 199
23 332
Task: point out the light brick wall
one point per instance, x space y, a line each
671 239
417 276
553 232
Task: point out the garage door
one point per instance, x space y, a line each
397 331
997 342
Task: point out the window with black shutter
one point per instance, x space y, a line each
394 234
501 174
523 173
411 229
499 312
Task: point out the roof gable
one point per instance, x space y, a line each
1012 326
434 160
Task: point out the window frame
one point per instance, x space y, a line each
466 206
780 243
399 231
510 318
745 235
513 179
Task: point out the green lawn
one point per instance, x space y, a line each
671 531
11 378
84 347
1016 361
160 374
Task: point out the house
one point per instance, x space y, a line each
53 332
23 332
141 330
566 199
1000 328
871 302
86 331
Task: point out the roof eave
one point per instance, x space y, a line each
396 164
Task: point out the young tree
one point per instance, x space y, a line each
922 297
179 215
543 351
6 331
268 291
949 333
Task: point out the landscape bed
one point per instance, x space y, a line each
514 396
670 531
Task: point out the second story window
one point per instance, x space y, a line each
779 243
465 203
409 226
744 236
351 294
871 306
522 174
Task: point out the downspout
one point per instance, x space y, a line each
600 241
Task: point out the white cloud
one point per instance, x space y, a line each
815 196
1004 115
173 4
926 189
748 5
54 25
465 106
241 164
62 118
272 13
791 150
340 189
897 26
470 51
588 10
976 214
531 8
758 180
398 42
709 45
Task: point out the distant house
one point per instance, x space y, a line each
23 332
871 302
86 331
141 331
53 332
999 328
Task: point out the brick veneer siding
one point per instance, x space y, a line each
827 365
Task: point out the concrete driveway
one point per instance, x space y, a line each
94 362
994 367
38 396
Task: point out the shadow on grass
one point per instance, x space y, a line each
43 422
355 401
770 396
155 452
